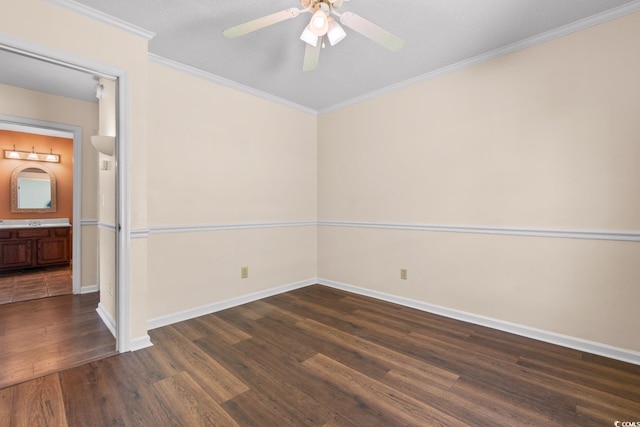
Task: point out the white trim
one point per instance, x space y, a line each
106 226
229 83
89 289
140 343
618 235
104 18
214 227
107 319
140 233
88 222
191 313
525 331
123 209
631 236
573 27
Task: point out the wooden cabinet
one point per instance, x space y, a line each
34 247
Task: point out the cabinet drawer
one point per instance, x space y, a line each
35 232
5 234
60 232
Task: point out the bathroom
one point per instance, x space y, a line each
36 217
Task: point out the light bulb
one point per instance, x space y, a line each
319 23
51 157
32 155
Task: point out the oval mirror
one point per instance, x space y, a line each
33 189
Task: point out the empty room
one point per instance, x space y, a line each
325 213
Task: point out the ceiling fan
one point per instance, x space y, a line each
322 25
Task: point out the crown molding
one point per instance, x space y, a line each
582 24
226 82
104 18
573 27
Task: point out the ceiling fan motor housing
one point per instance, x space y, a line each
326 5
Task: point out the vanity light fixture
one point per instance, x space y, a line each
26 155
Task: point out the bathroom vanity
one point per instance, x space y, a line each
34 243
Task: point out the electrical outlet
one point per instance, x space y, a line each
244 272
403 274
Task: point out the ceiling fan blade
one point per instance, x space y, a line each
256 24
311 56
372 31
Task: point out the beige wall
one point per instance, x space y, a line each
543 138
15 101
219 157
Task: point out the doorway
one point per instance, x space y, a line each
37 169
83 291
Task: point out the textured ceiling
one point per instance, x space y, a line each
438 33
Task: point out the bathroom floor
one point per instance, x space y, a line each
35 284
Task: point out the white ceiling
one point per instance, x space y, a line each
438 34
41 76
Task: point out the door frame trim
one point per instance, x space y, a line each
66 59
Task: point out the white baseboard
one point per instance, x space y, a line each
180 316
136 343
525 331
89 289
140 343
107 319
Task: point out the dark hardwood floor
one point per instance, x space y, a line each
48 335
322 357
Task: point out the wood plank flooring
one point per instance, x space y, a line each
47 335
321 357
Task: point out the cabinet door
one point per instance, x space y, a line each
15 254
53 250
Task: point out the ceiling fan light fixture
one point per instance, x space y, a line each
335 33
308 37
319 24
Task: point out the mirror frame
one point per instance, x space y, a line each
14 190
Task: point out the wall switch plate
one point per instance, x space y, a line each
244 272
403 274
